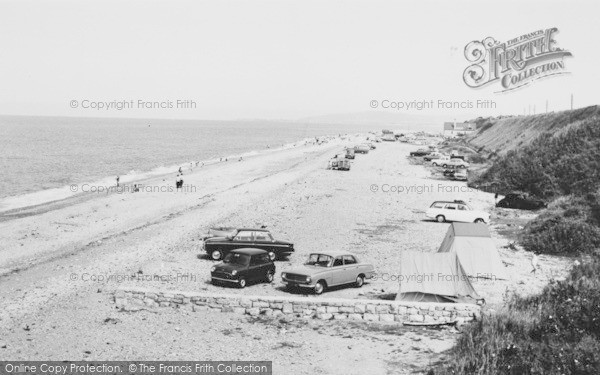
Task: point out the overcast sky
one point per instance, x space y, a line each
277 59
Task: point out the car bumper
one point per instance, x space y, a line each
222 279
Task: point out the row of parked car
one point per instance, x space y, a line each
342 162
454 165
249 254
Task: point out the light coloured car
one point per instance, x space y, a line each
460 174
443 211
451 163
327 269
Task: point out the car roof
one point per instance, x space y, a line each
333 253
248 251
456 201
253 229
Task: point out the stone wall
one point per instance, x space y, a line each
300 307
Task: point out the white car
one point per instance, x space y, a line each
452 163
443 211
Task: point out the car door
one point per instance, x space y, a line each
464 214
337 271
263 240
450 212
351 269
255 267
243 238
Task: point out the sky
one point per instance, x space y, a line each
281 59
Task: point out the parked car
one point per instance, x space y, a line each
327 269
362 149
340 164
420 152
434 156
457 210
460 174
218 247
452 163
521 201
349 153
244 266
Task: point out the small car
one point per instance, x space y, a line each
443 211
242 266
362 149
434 156
349 153
450 163
218 247
339 164
420 152
460 174
327 269
521 201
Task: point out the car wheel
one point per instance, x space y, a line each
360 280
319 287
479 220
270 276
445 165
242 283
440 218
272 256
216 254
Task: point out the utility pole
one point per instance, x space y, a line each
571 102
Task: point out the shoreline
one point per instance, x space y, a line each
12 204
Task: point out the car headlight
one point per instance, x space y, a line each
213 269
307 279
283 274
234 272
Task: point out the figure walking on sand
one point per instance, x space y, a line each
178 182
118 178
534 264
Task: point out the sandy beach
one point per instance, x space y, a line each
60 263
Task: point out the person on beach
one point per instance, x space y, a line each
180 171
534 264
178 182
118 178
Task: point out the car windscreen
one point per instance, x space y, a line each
237 258
321 260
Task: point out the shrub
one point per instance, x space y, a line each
555 332
568 227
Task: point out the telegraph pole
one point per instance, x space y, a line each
571 102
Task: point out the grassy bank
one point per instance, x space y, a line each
557 331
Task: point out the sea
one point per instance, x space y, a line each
40 157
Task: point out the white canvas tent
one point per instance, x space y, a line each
434 277
475 249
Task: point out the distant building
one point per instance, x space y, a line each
454 129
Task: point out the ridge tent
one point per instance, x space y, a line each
475 249
434 277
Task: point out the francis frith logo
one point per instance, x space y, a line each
515 63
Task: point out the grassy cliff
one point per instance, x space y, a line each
557 331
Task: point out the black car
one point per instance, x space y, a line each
420 152
218 247
243 266
521 201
